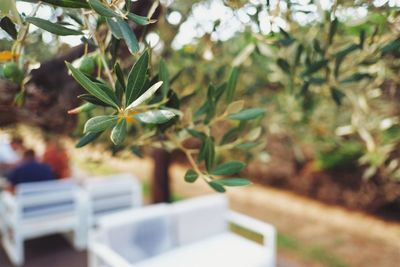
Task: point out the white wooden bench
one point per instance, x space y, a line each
39 209
109 194
194 232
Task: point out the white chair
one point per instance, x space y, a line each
110 194
193 233
39 209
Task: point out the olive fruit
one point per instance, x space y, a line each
88 65
10 70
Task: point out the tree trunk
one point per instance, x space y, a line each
161 187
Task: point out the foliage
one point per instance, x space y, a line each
137 107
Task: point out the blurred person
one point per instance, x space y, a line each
57 158
11 154
30 170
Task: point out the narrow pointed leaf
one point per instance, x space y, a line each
164 76
209 153
87 138
120 76
337 95
145 96
137 78
155 116
246 145
216 186
100 123
68 3
94 100
247 114
102 9
314 67
52 27
196 134
140 20
233 182
128 35
230 88
90 86
228 168
191 176
118 133
114 27
284 65
9 27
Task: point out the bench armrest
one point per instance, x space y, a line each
101 252
9 204
266 230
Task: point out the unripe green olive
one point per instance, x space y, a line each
11 71
88 65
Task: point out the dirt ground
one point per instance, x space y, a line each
357 239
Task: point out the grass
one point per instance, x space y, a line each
313 252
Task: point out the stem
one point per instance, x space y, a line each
102 50
189 156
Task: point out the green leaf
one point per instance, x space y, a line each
137 78
92 99
118 133
314 67
233 182
90 86
137 151
100 123
140 20
155 116
361 39
247 114
163 75
246 145
337 95
191 176
332 30
299 52
87 138
284 65
317 80
203 109
356 77
209 153
128 35
230 88
230 136
347 50
102 9
120 76
52 27
228 168
9 27
197 134
114 27
216 186
145 96
68 3
392 46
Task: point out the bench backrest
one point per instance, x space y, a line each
199 218
113 193
143 233
138 234
46 198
